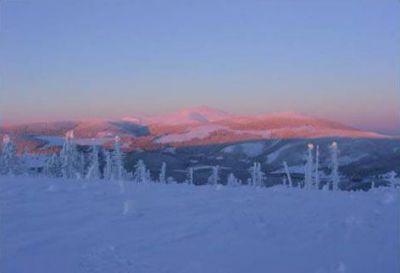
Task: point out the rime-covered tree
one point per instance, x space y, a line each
140 174
392 179
308 168
253 172
9 160
118 169
257 176
248 181
287 172
316 175
161 177
107 171
94 165
53 166
148 176
260 176
232 181
334 165
82 166
190 176
214 178
70 158
24 162
171 180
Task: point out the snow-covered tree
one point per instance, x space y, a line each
53 166
163 170
308 168
190 176
392 179
253 172
335 166
316 175
148 176
325 187
71 165
289 177
260 177
257 176
248 181
214 178
24 162
107 171
118 170
9 160
82 166
232 181
140 175
171 180
94 165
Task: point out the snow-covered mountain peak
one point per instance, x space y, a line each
134 119
200 114
287 115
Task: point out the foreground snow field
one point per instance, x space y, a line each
70 226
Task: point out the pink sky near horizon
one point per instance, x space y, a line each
338 60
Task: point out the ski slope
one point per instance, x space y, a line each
62 226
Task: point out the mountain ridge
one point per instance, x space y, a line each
190 126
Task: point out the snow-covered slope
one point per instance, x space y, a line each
199 132
61 226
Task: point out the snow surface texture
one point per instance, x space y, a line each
71 226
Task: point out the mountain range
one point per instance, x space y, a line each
188 127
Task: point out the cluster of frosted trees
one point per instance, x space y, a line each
70 163
312 169
73 164
10 163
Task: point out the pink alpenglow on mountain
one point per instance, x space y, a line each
192 126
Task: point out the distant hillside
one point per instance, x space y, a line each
188 127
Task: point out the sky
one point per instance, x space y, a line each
70 59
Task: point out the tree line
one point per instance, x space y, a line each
108 165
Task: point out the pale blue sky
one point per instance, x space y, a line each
72 59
